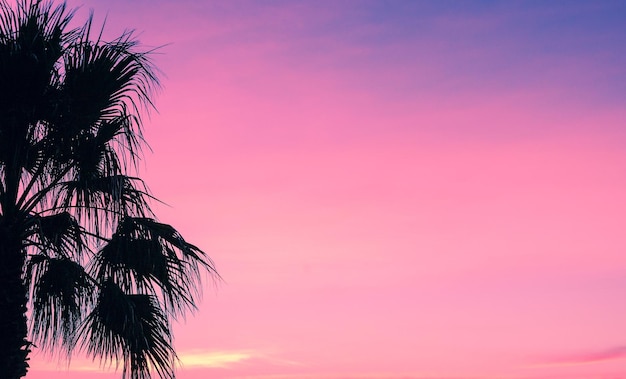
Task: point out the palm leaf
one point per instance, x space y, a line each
144 255
105 81
59 233
31 44
130 329
60 292
96 199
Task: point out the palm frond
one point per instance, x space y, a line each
144 255
60 292
31 44
103 199
94 152
104 81
131 330
59 233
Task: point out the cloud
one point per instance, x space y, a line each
589 357
212 359
382 375
189 360
224 359
597 356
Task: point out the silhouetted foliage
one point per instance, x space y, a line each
79 245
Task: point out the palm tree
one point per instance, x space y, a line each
79 245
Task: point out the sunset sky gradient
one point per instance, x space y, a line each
391 189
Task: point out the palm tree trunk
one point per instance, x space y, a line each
14 346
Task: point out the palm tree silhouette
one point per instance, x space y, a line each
79 245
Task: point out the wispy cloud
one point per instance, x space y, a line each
224 359
213 359
189 360
382 375
589 357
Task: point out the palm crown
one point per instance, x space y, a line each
79 244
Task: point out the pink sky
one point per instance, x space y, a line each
403 189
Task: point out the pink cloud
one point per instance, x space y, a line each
615 353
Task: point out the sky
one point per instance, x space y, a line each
390 189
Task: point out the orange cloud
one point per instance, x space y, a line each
224 359
212 359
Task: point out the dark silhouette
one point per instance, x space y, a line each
79 246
